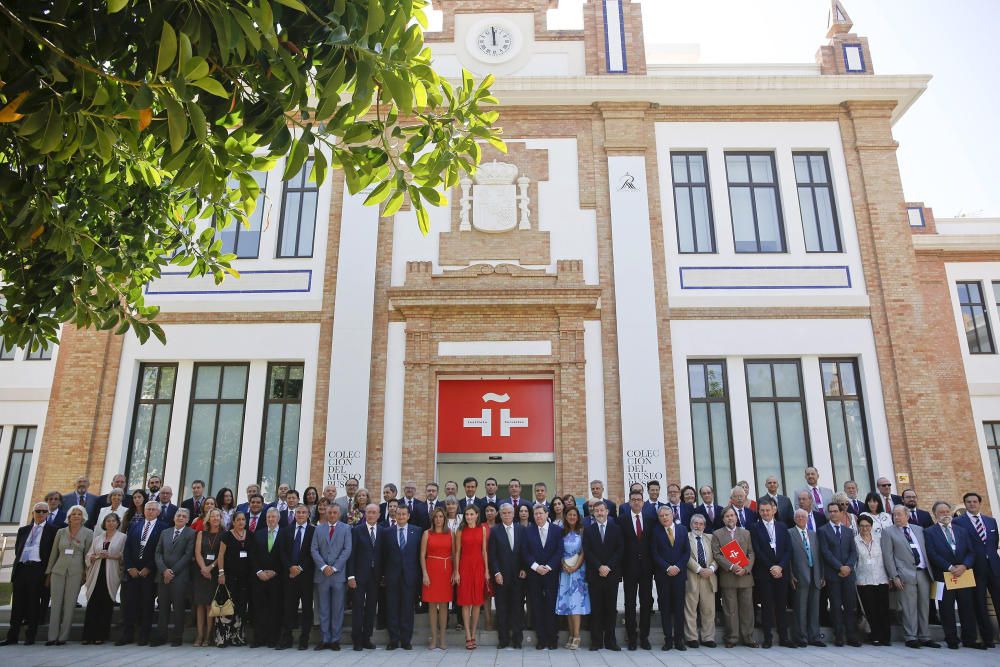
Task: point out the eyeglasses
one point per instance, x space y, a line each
41 511
885 484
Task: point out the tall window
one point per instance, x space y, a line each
710 429
42 353
777 420
154 403
845 422
754 202
298 215
279 450
977 321
6 355
15 480
244 242
993 450
215 425
816 203
692 203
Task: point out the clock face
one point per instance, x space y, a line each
494 41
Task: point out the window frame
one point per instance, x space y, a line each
262 197
287 188
992 428
774 401
690 186
44 353
707 400
752 186
268 401
986 315
816 186
842 398
23 474
8 356
138 400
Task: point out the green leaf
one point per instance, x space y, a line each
176 124
294 4
376 16
378 194
195 68
115 6
197 121
318 174
168 48
401 91
296 157
210 85
391 206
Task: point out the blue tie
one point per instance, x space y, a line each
297 545
805 543
701 553
402 539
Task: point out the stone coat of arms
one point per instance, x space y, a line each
497 202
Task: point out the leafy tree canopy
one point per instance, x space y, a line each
125 122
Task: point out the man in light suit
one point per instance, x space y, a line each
840 559
670 551
735 581
331 548
949 548
31 555
699 591
983 530
401 568
807 580
364 574
786 514
821 495
174 551
80 496
508 578
542 552
904 553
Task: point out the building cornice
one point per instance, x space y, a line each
986 244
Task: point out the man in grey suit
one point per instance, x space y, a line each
904 554
821 495
807 580
174 552
346 503
331 547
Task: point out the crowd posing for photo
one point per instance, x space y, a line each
253 573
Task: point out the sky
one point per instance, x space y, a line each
949 142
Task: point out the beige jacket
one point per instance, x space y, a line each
707 543
726 578
113 565
67 557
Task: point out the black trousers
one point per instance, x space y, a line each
97 619
28 585
400 609
542 591
268 607
298 589
138 595
510 610
966 600
670 593
641 584
986 582
773 604
875 600
843 606
603 608
365 600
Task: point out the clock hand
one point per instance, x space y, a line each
494 31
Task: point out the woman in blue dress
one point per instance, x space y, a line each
573 600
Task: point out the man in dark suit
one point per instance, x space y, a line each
597 491
430 501
709 509
139 582
154 484
364 573
167 507
855 505
670 550
745 517
287 515
117 482
541 493
840 559
515 499
418 510
917 516
949 548
603 547
772 571
508 578
197 499
389 492
388 512
57 514
31 556
81 497
401 568
470 484
786 514
814 518
681 511
255 513
298 569
637 570
173 555
635 487
983 530
268 589
252 490
541 552
889 499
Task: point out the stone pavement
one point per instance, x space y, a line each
144 656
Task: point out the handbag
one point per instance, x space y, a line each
217 609
571 561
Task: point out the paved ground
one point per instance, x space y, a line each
135 656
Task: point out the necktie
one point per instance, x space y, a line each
409 506
270 540
52 517
836 529
177 532
81 500
701 553
510 536
430 507
670 534
711 512
297 545
331 532
197 507
913 546
402 538
817 500
32 539
805 545
371 531
542 534
913 516
951 538
601 526
253 524
638 527
888 504
743 521
980 528
770 532
145 536
811 525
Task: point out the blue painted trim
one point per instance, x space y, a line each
607 42
847 272
861 55
308 288
923 221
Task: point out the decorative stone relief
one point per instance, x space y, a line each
494 201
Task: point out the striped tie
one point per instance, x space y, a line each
980 528
145 536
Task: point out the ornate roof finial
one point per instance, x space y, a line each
839 22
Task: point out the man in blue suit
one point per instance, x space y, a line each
331 548
681 511
364 574
709 509
950 551
840 559
298 569
542 551
139 583
772 570
603 547
57 513
670 550
983 530
401 565
81 497
745 517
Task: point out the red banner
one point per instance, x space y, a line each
495 416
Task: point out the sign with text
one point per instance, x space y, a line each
343 464
495 416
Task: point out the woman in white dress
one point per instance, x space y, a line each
116 498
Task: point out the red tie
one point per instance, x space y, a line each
331 531
638 527
253 524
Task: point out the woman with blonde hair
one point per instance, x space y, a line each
437 547
104 575
65 572
198 524
207 544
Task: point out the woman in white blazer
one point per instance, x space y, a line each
65 572
104 574
116 498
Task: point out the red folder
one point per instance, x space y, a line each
735 555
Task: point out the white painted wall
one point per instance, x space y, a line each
392 425
593 374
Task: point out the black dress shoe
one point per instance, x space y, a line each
667 646
595 647
838 642
407 646
913 643
392 646
613 646
516 644
540 647
679 645
632 645
142 642
320 647
976 645
334 646
282 647
8 642
766 643
818 642
179 642
152 643
930 644
854 642
30 641
120 642
692 644
953 646
304 647
645 645
990 644
708 644
788 644
802 644
51 642
60 643
368 644
554 646
358 647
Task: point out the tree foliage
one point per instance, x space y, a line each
126 124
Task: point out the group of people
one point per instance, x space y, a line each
522 562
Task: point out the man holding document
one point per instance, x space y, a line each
732 548
952 558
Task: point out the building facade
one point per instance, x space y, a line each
679 272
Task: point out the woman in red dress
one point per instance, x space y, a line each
470 571
437 547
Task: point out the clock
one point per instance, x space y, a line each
494 41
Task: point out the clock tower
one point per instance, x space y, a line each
512 38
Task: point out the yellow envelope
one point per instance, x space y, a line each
967 580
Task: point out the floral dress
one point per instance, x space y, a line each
573 597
